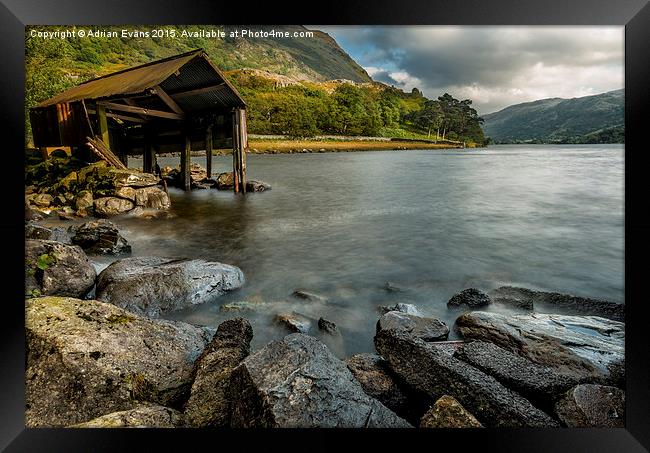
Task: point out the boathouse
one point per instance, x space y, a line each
181 103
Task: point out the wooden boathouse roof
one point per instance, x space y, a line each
190 79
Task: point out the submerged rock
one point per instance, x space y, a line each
100 237
298 383
257 186
541 385
35 231
244 305
55 268
152 285
470 297
588 348
86 358
327 326
209 403
448 413
429 370
226 181
592 406
141 416
308 295
111 206
427 329
566 303
409 309
294 322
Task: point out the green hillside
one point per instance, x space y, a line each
589 119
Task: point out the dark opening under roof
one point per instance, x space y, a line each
181 76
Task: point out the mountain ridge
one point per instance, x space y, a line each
559 120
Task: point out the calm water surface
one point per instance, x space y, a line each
430 222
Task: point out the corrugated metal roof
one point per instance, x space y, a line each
201 72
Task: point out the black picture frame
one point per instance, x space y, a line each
633 14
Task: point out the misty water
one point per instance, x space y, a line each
429 222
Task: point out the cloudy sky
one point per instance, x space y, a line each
493 66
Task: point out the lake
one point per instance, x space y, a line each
431 222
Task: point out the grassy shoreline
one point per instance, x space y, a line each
265 146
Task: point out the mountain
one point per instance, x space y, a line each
589 119
315 58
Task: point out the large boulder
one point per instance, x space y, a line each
434 372
100 237
565 303
588 348
43 200
448 413
152 285
470 297
83 200
111 206
209 402
86 358
52 267
541 385
298 383
427 329
141 416
592 406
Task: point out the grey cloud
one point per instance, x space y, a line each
544 61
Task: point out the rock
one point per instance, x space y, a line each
152 285
43 200
130 178
448 413
125 192
86 358
110 206
100 237
567 304
588 348
448 347
327 326
152 198
66 213
294 322
592 406
257 186
141 416
197 173
225 181
409 309
392 288
244 305
541 385
427 329
30 190
297 382
59 200
31 214
307 295
55 268
427 369
84 200
374 376
35 231
471 297
209 404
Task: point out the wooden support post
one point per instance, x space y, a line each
208 151
186 162
235 148
147 153
240 142
103 125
